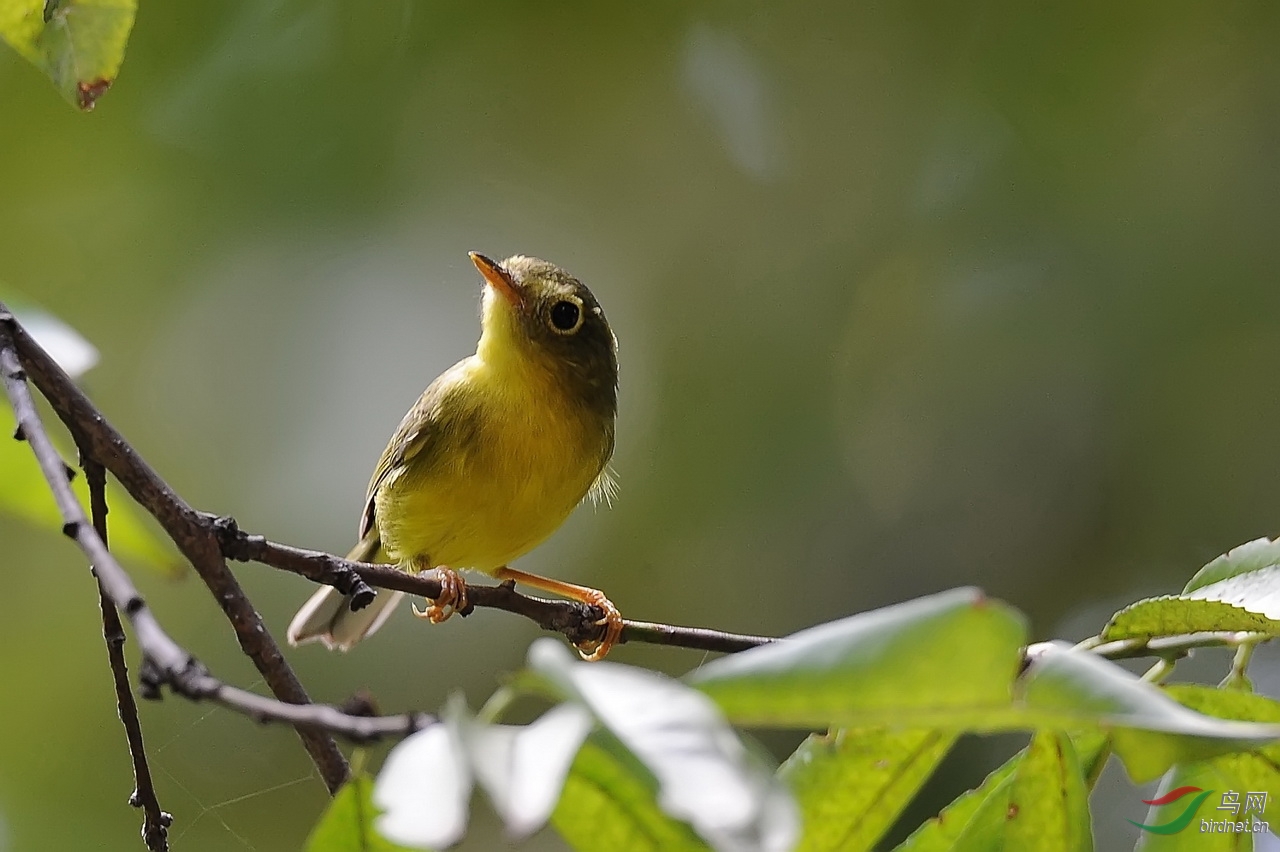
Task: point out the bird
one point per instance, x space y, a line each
493 457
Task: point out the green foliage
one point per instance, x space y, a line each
78 44
1171 615
1235 592
705 774
347 824
977 813
944 660
1048 801
1149 731
851 784
1254 556
664 770
607 803
977 818
1256 769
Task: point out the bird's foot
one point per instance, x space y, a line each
589 649
453 598
594 650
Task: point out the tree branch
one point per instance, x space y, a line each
155 822
208 540
99 441
576 621
164 662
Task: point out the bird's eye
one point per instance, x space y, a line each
566 316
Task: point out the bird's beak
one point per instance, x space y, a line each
498 279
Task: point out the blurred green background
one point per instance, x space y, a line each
909 296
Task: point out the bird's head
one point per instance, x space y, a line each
534 314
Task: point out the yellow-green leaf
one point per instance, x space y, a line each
1149 731
1238 591
1048 801
974 822
706 775
943 661
1249 557
852 784
1171 615
347 824
78 44
611 803
1252 771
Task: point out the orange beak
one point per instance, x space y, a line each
497 278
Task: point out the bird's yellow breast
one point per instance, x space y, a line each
512 459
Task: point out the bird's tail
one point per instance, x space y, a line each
326 617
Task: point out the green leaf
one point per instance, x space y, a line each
1257 770
78 44
943 661
424 787
1149 731
347 824
1170 615
1238 591
852 784
606 804
1048 803
1175 826
1257 591
975 820
946 662
1249 557
523 767
705 774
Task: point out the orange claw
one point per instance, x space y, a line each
453 597
591 650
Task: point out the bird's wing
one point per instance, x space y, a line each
418 429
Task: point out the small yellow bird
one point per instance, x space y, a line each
494 455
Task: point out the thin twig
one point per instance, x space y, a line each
196 540
1160 671
164 662
1168 646
155 822
1238 677
576 621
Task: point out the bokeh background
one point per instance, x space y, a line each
909 296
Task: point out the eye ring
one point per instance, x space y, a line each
565 315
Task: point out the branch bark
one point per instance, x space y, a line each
155 822
576 621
